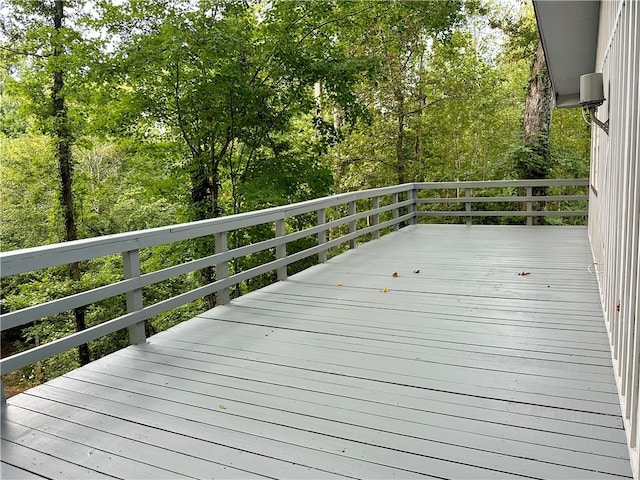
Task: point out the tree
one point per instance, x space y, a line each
399 35
37 31
467 132
533 155
63 139
226 79
448 111
537 119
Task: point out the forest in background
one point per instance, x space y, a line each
124 115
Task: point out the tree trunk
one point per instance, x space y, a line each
535 161
400 166
63 139
204 201
538 104
317 95
417 127
338 120
200 187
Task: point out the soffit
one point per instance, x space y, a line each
569 31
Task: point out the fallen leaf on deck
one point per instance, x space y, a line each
524 273
340 284
394 274
222 407
417 270
618 306
385 290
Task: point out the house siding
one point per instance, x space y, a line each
614 213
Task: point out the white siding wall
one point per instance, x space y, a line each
614 217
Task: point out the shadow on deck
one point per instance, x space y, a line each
458 367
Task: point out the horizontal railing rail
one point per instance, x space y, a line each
528 200
368 212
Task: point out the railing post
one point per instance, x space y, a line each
529 206
394 213
131 261
322 236
352 224
467 206
281 249
375 218
222 269
413 207
3 398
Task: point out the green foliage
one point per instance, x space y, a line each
119 189
227 80
570 139
32 50
474 124
30 212
458 108
288 171
529 161
518 22
460 104
12 123
125 187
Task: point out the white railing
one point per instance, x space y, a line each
368 213
474 205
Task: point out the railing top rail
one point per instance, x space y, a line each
504 183
29 259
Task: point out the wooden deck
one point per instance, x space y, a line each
463 370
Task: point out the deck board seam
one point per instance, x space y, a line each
619 428
388 382
338 421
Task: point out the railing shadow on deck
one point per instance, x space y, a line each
340 220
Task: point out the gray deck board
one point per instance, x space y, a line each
463 370
9 471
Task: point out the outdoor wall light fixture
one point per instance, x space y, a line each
592 96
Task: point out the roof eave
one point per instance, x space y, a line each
569 31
